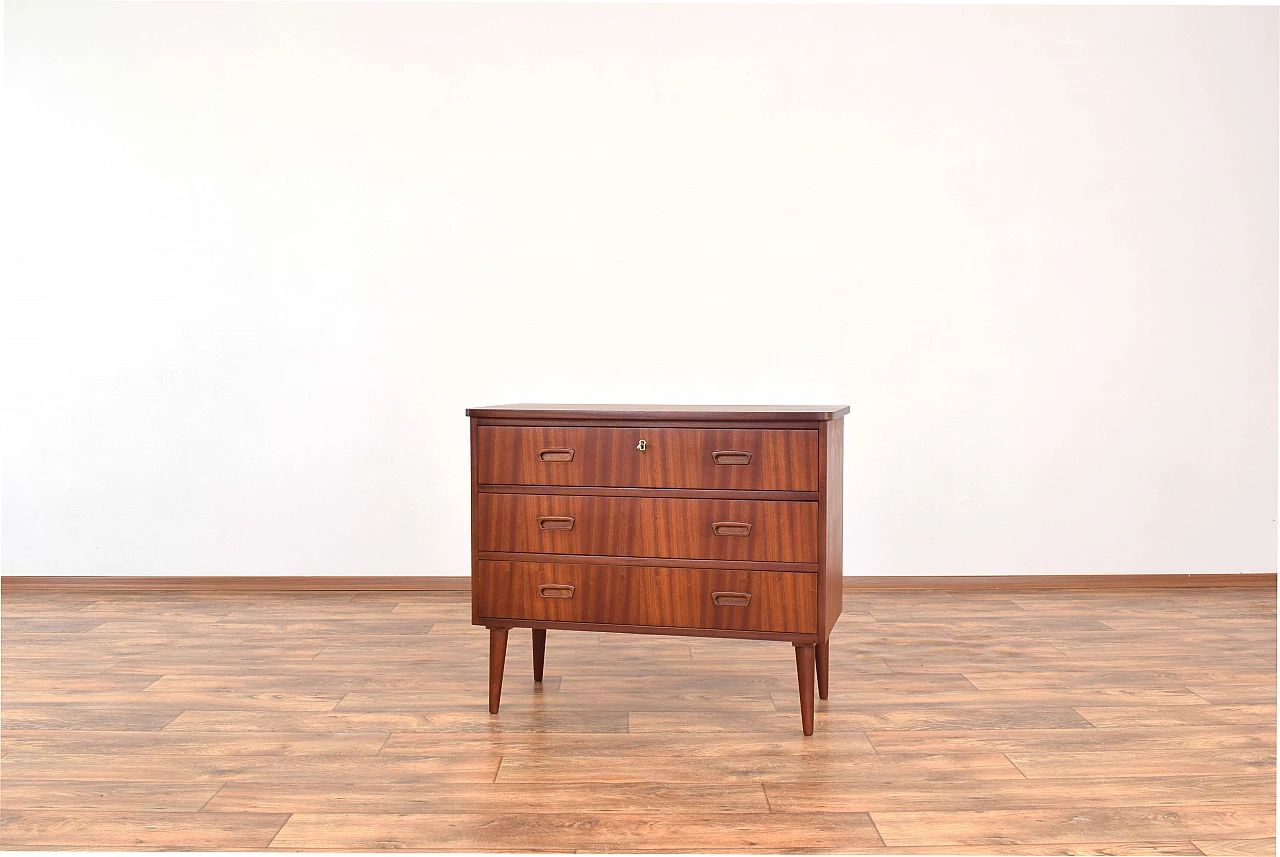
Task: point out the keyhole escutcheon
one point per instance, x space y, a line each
640 446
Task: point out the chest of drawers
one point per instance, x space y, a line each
658 519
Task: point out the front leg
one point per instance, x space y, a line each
804 670
497 662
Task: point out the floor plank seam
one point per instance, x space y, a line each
1015 766
872 818
276 835
217 792
1201 696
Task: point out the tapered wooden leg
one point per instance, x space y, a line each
539 651
497 661
822 655
804 669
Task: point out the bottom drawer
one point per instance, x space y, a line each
721 599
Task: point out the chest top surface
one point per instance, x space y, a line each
798 413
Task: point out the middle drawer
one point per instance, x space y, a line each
743 530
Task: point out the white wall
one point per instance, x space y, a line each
259 258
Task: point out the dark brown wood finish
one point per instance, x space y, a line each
497 663
742 460
655 413
539 652
667 519
674 598
804 672
475 514
821 659
501 556
674 493
751 530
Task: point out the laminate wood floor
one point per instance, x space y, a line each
992 722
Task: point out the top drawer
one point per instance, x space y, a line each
728 459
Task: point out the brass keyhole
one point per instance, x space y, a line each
640 446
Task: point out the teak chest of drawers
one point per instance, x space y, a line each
658 519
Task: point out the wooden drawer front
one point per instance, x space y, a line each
751 530
739 460
781 602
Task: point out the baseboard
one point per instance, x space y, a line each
240 584
463 584
1059 581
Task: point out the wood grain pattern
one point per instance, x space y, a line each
61 767
432 797
617 745
624 832
672 562
664 597
1018 794
723 413
805 674
463 719
806 767
1235 847
85 830
497 662
120 796
674 493
1092 763
673 458
996 744
85 742
647 527
1061 825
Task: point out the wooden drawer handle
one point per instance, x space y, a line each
555 455
731 456
554 522
555 590
731 599
731 528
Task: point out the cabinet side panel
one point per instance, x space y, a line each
833 525
475 523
